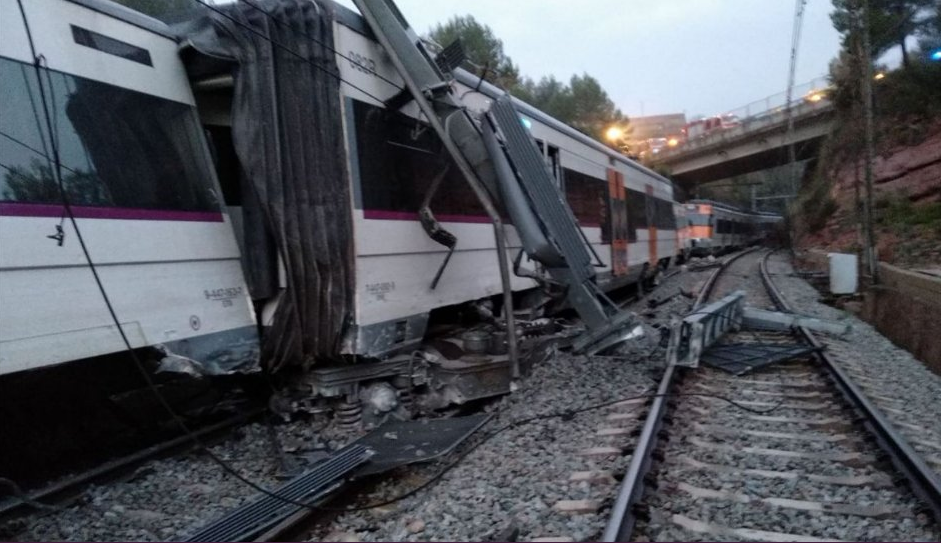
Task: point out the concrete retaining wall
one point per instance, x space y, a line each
905 307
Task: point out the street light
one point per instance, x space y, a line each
614 133
935 55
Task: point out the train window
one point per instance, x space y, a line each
588 198
105 44
398 157
665 219
636 212
117 147
699 219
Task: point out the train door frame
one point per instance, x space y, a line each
651 225
617 198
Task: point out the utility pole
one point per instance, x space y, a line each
789 134
866 59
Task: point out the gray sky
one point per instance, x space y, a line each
653 56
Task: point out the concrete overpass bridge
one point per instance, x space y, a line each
759 142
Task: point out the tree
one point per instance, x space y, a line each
581 103
929 31
891 22
594 112
37 183
483 49
550 95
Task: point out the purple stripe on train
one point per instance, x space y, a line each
17 209
413 216
380 214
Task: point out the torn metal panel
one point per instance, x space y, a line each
219 353
296 183
698 331
741 358
266 510
775 320
398 443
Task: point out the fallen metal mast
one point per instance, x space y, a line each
499 158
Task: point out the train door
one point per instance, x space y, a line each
618 214
556 166
550 154
652 225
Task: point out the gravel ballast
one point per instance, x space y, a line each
514 480
904 389
168 499
732 469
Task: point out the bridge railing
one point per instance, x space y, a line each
769 111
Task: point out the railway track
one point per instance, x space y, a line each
804 456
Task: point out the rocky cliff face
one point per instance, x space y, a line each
907 205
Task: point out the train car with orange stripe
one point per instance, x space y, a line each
714 228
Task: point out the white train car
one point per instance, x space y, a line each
136 169
716 227
391 157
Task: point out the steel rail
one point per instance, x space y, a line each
924 482
623 517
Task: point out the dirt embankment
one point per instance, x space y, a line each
907 205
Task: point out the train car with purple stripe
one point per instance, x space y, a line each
99 136
331 166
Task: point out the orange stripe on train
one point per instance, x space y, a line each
700 232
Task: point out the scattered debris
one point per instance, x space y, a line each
267 510
696 332
741 358
653 302
416 441
762 319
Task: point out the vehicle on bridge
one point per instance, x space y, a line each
705 126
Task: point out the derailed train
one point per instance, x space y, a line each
300 219
715 227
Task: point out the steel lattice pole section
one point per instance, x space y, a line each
789 133
866 60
